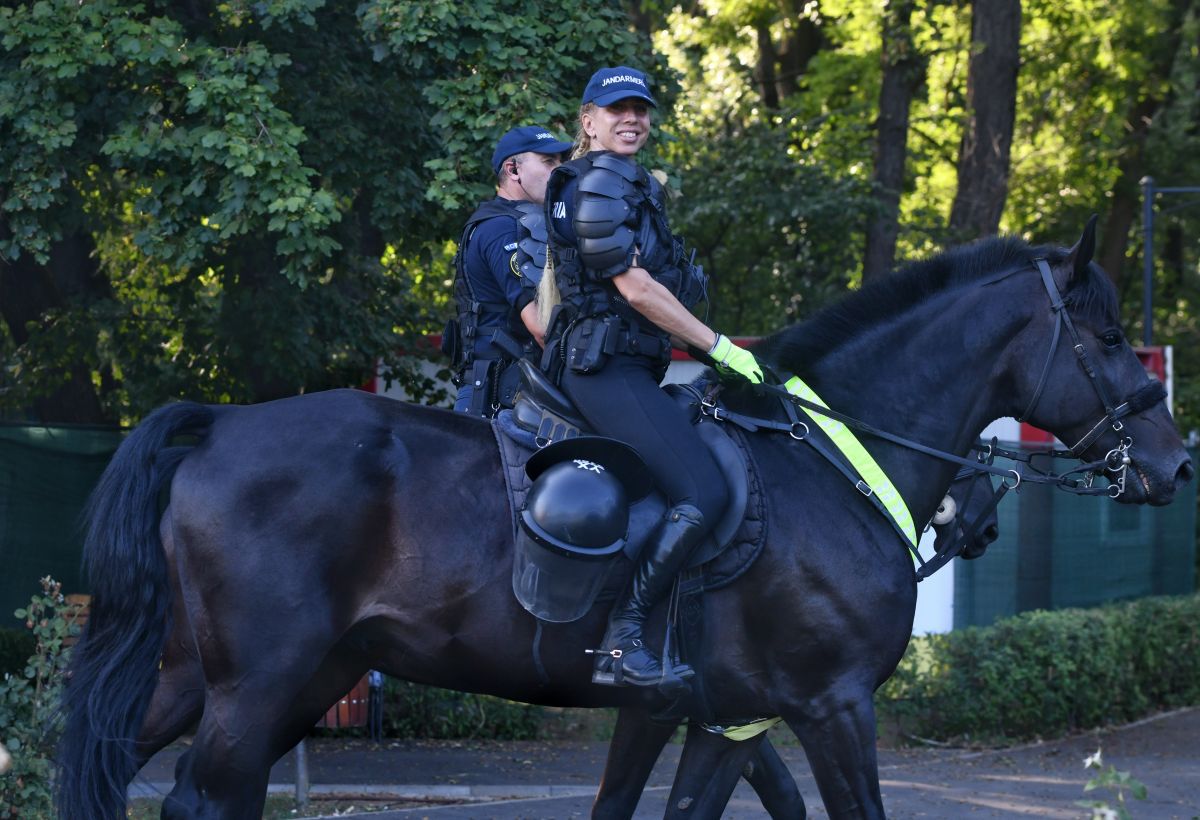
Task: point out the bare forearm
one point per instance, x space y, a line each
529 317
656 303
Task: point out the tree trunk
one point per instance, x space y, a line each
1126 192
983 162
28 291
903 72
801 44
767 80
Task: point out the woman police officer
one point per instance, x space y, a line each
625 287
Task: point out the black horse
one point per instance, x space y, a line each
308 539
711 764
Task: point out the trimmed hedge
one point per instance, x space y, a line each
411 710
1043 674
16 647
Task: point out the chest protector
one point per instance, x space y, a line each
619 212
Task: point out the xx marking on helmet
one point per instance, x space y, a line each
584 464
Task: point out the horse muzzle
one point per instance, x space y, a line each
1151 482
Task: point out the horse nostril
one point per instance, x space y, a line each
990 533
1185 473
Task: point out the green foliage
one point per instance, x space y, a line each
242 201
16 646
776 226
1042 674
494 64
414 711
1109 778
256 190
29 700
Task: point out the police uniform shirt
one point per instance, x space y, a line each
491 265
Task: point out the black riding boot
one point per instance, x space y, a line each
663 559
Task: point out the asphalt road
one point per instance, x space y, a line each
509 780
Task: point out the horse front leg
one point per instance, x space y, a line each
708 772
636 744
840 745
773 783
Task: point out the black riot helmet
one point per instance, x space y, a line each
582 489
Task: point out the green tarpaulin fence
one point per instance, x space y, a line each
1055 550
1058 550
46 474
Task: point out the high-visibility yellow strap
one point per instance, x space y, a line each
744 731
870 471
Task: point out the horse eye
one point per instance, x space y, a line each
1111 339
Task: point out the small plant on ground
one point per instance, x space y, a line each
1118 782
29 707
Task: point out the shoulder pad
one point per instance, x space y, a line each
606 182
602 219
533 220
531 239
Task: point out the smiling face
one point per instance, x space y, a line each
622 127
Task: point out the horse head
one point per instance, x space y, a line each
1077 376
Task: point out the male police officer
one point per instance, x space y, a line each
497 320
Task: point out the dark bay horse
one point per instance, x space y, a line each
308 539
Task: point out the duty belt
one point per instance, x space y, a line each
627 340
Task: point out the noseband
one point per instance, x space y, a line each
1116 461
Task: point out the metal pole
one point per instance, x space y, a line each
301 776
1147 260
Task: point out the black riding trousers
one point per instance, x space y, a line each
623 401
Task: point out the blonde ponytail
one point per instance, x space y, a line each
583 142
547 293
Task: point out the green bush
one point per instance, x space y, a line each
1043 674
414 711
29 706
16 645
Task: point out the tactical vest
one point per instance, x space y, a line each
618 208
507 343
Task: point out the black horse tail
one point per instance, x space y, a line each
114 668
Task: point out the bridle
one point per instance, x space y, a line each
1116 461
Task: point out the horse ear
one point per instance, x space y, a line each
1085 248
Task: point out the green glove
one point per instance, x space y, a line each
732 359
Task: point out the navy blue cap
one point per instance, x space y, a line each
608 85
526 138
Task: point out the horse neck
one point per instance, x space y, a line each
935 374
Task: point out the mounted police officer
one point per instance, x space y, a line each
499 260
627 288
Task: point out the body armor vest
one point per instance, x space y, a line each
509 342
619 210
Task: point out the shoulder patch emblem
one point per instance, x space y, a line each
511 246
513 266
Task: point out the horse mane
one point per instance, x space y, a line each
797 347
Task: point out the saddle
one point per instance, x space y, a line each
543 414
